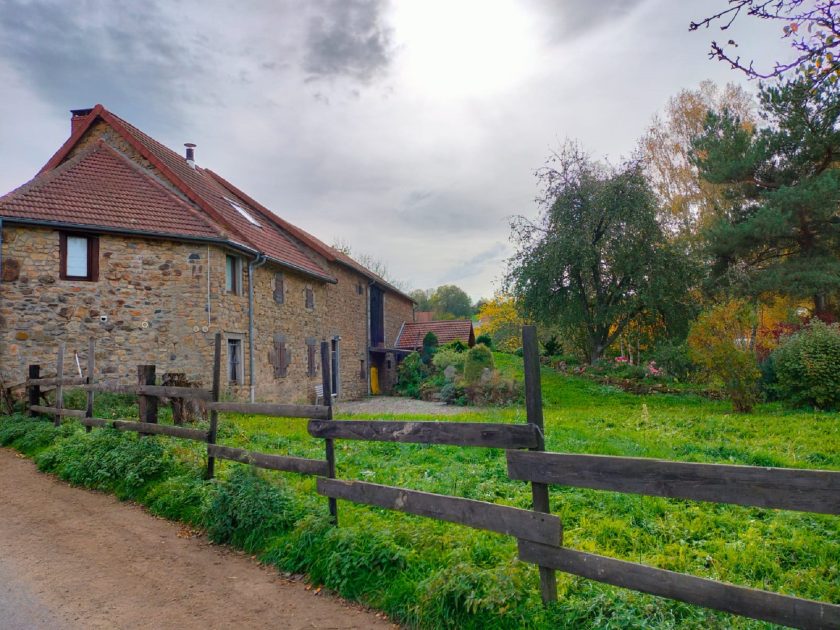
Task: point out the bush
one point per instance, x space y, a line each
454 394
430 346
720 343
552 346
107 459
447 356
807 366
457 346
247 511
493 391
674 358
485 339
410 375
478 358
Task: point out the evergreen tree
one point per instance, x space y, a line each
779 231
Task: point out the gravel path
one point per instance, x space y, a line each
71 558
399 405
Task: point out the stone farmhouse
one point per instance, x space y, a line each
120 238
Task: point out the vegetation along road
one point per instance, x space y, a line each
70 558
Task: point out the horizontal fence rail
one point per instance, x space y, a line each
781 488
55 380
58 411
148 427
740 600
452 433
271 409
525 524
272 462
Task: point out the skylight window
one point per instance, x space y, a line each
243 212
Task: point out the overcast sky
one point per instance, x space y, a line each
408 129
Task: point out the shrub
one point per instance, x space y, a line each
552 346
493 391
247 511
454 394
675 359
807 366
478 358
457 346
485 339
720 343
410 375
447 356
430 346
109 460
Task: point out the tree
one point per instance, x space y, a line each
781 233
811 26
688 202
449 300
501 320
722 343
371 263
421 297
596 258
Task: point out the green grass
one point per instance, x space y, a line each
433 574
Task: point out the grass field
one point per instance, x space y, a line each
432 574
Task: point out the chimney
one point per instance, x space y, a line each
190 153
78 117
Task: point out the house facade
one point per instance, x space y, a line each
122 239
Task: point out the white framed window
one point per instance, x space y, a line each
78 257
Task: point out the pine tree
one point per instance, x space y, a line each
779 229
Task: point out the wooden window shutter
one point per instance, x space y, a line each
311 365
279 356
279 287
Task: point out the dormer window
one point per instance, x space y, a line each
243 212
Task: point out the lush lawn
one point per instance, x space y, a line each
431 574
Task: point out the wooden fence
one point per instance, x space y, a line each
539 533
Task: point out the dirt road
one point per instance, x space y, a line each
70 558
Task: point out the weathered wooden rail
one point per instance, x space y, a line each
539 533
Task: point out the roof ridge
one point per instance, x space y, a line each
120 125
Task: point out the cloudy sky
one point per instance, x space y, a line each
408 129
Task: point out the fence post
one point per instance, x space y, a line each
147 405
214 415
34 391
59 388
326 380
91 364
534 410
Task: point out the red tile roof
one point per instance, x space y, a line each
101 187
411 335
210 200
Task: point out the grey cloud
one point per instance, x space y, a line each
78 53
433 212
566 21
348 38
490 256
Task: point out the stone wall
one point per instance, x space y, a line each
398 309
150 305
